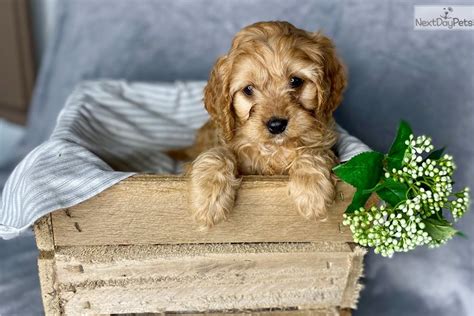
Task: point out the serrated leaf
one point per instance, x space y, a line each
439 229
392 191
362 171
358 201
398 148
437 154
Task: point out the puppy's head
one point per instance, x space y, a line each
277 84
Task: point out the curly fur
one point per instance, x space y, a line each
266 55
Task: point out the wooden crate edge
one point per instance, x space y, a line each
47 266
354 287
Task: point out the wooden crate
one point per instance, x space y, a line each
135 249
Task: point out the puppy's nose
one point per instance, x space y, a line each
277 125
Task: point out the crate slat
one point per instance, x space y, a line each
204 277
152 209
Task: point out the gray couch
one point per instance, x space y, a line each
425 77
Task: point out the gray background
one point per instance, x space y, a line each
425 77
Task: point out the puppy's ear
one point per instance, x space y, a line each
217 99
334 79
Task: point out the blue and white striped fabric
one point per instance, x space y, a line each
108 131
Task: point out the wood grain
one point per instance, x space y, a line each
44 234
49 286
151 209
201 278
47 266
353 288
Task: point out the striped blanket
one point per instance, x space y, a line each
108 131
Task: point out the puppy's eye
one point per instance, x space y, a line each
248 90
295 82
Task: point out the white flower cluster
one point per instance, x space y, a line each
400 227
386 230
460 204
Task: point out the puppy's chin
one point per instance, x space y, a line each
267 139
279 140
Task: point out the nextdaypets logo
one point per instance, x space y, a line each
446 12
436 17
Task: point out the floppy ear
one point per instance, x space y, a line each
218 101
333 81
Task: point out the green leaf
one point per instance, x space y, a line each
392 191
435 155
439 229
358 201
362 171
398 148
461 234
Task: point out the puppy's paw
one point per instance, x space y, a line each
213 186
212 202
311 195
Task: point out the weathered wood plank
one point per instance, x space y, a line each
47 266
353 287
49 286
44 234
79 265
154 210
187 278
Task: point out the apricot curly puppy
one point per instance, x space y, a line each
271 100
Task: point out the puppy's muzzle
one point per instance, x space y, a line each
277 125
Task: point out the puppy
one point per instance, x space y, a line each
271 99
